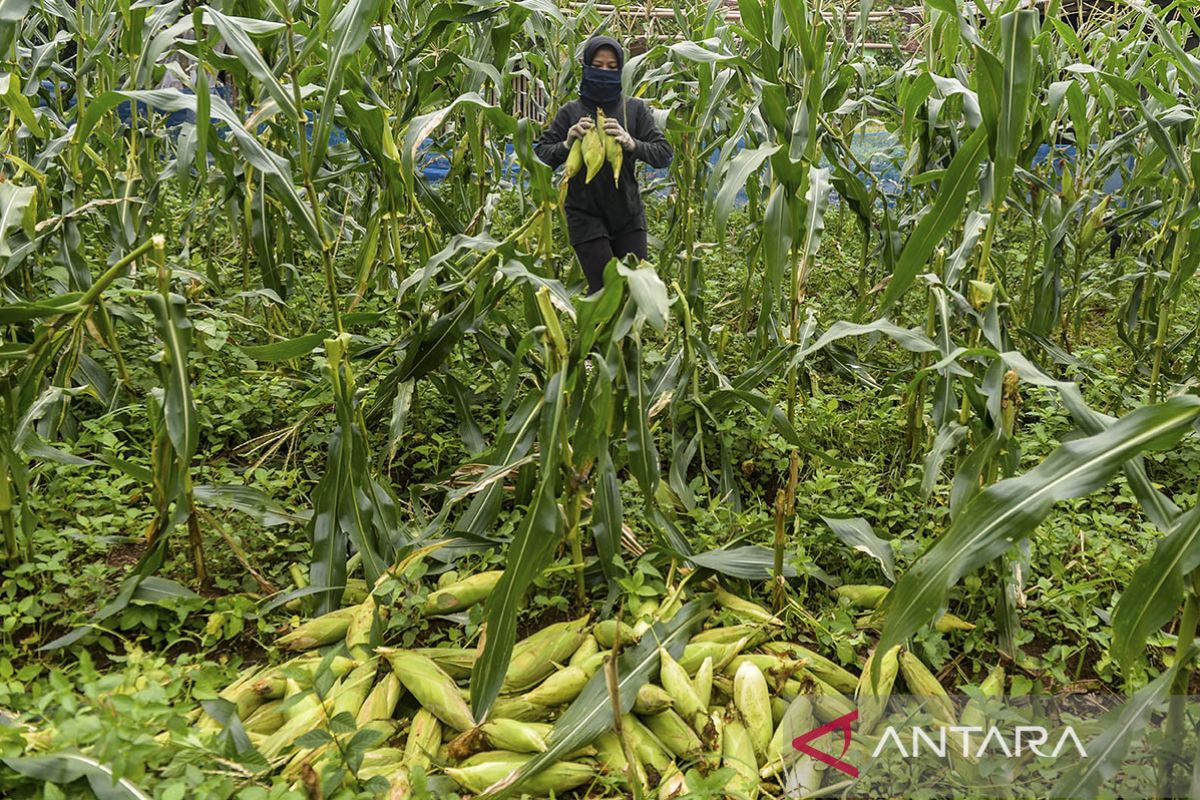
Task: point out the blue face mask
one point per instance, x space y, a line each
600 86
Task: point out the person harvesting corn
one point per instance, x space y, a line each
599 137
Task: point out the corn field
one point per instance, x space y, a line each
323 476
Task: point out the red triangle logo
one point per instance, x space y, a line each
842 724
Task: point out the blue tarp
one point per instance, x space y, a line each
879 150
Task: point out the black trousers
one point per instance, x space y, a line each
595 254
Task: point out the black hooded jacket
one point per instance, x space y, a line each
600 209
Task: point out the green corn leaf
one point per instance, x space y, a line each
856 532
285 350
741 166
1106 752
1017 29
510 450
961 177
747 562
1009 510
251 60
350 29
18 205
179 410
777 243
532 546
18 103
608 516
1156 591
639 439
816 202
277 168
649 293
50 307
66 768
11 14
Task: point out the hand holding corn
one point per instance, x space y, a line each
614 129
579 130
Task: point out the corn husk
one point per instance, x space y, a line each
266 718
778 707
948 623
645 608
703 682
558 777
521 709
646 746
674 734
712 737
356 591
924 684
311 664
501 734
574 161
560 688
828 703
615 157
973 713
298 700
747 610
311 712
362 632
728 634
593 152
462 594
455 661
609 630
797 719
431 686
672 784
324 754
873 694
678 685
588 648
564 685
400 786
247 695
424 739
721 654
778 670
753 702
354 689
381 702
495 757
652 699
836 676
535 657
325 629
737 753
862 595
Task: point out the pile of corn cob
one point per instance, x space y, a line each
735 697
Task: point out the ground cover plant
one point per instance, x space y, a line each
322 476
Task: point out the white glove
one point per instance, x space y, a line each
579 129
614 129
